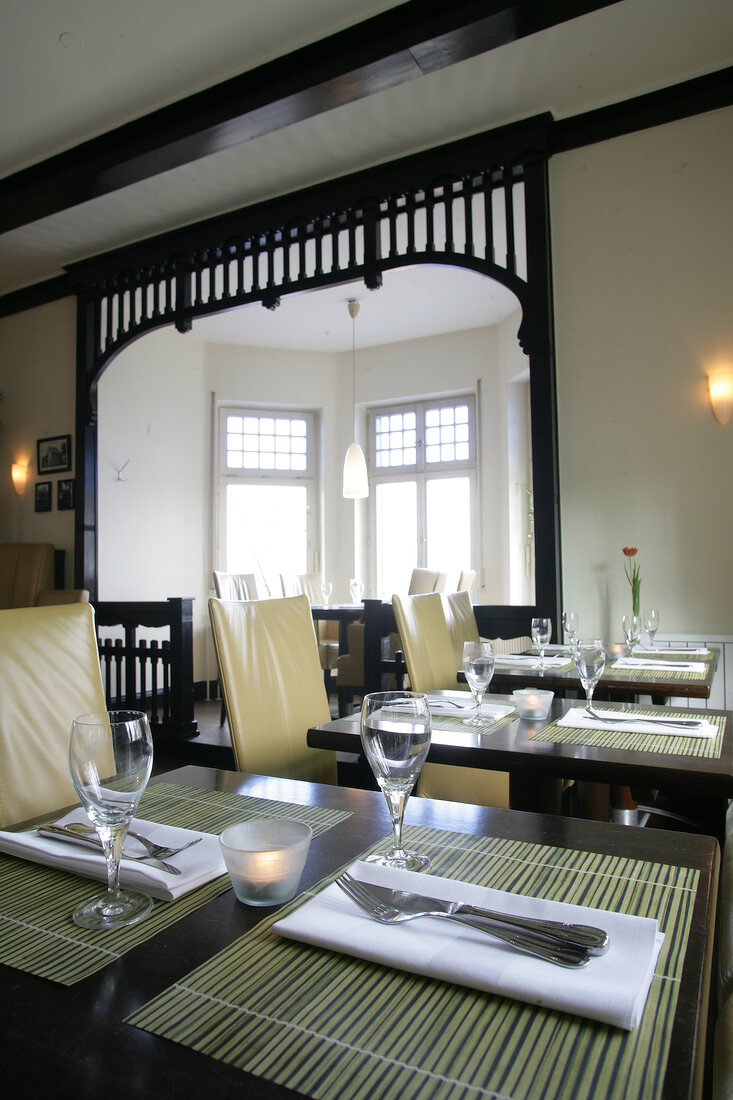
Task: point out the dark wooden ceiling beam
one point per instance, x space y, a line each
408 41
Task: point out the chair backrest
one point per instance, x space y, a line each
235 586
311 585
422 580
290 584
49 674
26 568
467 580
49 597
512 645
461 622
272 684
426 642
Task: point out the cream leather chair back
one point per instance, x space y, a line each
272 684
461 622
432 665
235 586
467 580
49 673
422 580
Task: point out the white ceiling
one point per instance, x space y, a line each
76 68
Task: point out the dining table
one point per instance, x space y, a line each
341 613
541 755
663 678
207 1000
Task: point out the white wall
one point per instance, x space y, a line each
37 373
642 229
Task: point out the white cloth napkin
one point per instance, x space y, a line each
460 704
528 660
612 988
640 650
578 718
198 864
659 666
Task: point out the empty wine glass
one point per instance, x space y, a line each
570 626
632 631
110 758
478 666
326 589
541 632
356 590
395 735
651 624
590 660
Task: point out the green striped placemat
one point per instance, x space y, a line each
676 655
331 1026
708 748
659 674
37 933
447 723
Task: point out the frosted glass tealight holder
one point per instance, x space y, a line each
265 858
533 702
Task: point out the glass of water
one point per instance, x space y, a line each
541 632
478 666
570 626
590 660
632 631
395 736
651 624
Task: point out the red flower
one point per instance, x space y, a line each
630 551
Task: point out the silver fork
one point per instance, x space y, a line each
157 851
679 723
572 958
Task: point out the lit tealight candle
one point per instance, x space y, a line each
265 858
533 704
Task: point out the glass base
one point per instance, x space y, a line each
112 911
405 861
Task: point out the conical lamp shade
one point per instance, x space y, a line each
356 482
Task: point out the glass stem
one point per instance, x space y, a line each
112 837
396 801
479 696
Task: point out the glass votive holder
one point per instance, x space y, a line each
533 702
265 858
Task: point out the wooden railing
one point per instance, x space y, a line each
153 676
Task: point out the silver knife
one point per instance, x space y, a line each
593 940
58 832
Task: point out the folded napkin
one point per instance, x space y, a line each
659 666
640 650
198 864
578 718
528 660
612 988
460 704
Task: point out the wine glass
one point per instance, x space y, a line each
478 665
356 590
110 758
326 589
570 626
541 631
395 735
590 660
651 624
632 631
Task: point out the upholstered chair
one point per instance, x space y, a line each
272 684
49 674
236 586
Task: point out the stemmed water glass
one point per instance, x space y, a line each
478 666
570 626
590 660
356 590
395 735
110 758
651 624
632 631
541 631
326 589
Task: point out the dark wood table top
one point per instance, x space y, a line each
512 748
72 1041
611 685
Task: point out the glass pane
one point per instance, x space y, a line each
396 536
448 525
266 531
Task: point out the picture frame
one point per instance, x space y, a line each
65 494
54 454
44 499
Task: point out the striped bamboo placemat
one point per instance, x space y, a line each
37 933
708 748
612 672
330 1026
449 724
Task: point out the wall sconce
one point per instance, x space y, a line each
19 474
720 387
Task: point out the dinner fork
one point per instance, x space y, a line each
541 948
679 723
157 851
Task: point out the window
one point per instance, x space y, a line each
423 469
267 496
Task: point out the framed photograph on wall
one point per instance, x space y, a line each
54 454
44 500
65 494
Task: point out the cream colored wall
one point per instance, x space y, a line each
642 229
37 372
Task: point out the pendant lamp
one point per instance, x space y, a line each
356 483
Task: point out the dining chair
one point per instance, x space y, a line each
311 585
461 621
49 674
421 581
272 684
432 666
467 580
236 586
